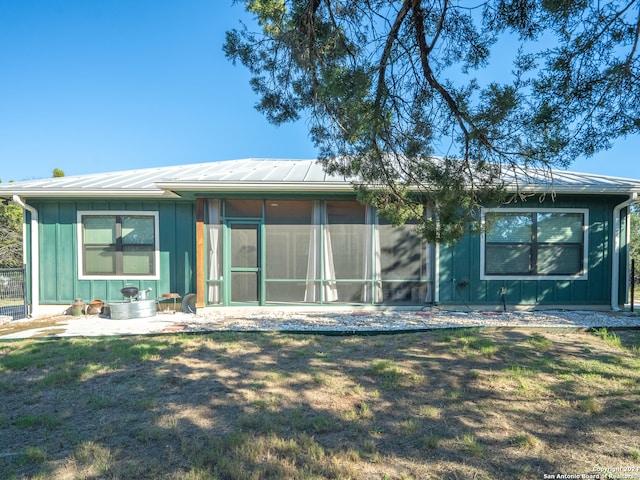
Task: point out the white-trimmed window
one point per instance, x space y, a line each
118 244
534 244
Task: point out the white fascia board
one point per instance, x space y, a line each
573 189
72 193
302 187
167 189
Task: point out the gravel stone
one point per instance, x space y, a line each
390 320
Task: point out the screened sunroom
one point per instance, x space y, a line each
271 251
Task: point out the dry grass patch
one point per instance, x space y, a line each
442 404
48 323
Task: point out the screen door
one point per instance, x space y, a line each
244 262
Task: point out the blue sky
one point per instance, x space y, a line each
89 86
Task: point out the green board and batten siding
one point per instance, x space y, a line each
59 282
462 262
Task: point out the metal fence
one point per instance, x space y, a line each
13 300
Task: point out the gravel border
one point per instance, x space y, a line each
390 320
337 322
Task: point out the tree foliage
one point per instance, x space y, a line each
11 231
634 246
431 101
10 236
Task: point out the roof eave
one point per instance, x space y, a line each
574 189
72 193
307 187
168 189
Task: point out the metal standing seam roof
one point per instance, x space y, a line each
273 174
161 181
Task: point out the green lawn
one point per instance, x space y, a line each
466 403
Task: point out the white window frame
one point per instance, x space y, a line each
80 249
584 275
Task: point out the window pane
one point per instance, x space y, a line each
100 261
350 292
99 230
347 235
288 240
288 248
244 287
118 244
405 293
509 227
288 212
243 208
508 259
559 259
289 292
244 246
341 213
214 250
138 230
556 243
560 227
138 261
401 253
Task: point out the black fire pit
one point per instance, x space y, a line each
129 292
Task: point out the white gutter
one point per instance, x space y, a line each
615 260
35 254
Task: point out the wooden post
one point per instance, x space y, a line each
200 263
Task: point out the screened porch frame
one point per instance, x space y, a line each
375 290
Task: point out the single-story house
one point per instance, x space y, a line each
283 232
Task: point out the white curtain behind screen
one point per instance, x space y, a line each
320 250
372 292
213 231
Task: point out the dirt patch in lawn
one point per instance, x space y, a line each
466 403
54 322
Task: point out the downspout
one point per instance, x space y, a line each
436 280
35 254
615 260
436 258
